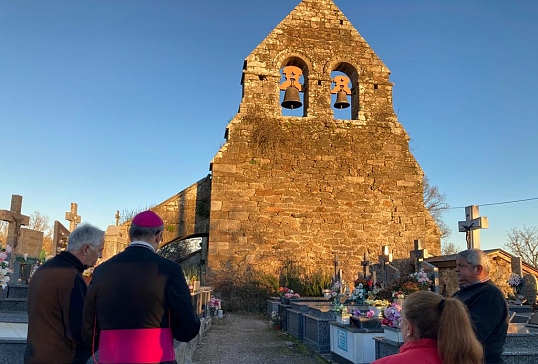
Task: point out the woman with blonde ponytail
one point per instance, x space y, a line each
436 330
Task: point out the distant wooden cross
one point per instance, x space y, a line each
366 265
472 225
15 220
72 217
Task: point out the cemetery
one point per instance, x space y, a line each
314 192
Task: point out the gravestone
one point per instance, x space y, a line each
59 238
472 225
529 288
30 242
392 273
517 266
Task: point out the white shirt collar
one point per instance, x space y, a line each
142 244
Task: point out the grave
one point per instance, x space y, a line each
529 289
59 238
351 344
15 219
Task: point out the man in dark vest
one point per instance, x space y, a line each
485 302
138 301
56 298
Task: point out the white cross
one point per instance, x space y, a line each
473 222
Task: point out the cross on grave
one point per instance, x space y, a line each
366 265
15 220
419 254
473 222
72 217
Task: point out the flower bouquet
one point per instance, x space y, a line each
392 315
4 266
516 282
424 281
215 305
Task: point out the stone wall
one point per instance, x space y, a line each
306 188
184 214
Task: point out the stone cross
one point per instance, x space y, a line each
15 220
471 226
419 254
117 216
72 217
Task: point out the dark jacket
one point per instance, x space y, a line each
55 301
489 314
139 289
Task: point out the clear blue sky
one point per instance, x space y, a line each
121 104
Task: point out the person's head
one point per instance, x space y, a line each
472 265
147 226
428 315
86 242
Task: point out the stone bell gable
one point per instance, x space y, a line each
318 38
304 188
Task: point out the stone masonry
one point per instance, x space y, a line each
306 188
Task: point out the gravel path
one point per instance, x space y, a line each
250 338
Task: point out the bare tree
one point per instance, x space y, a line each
449 248
524 243
434 201
127 214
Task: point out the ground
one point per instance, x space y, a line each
249 338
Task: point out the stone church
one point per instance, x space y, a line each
308 187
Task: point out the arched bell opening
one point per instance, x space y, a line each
345 92
293 88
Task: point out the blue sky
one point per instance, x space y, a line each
117 105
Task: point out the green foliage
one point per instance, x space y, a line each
240 290
246 290
315 283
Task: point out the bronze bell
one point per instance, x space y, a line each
291 98
341 100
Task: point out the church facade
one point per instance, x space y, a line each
312 186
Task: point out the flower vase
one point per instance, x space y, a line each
343 319
393 334
378 311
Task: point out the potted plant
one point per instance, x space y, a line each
275 320
215 305
342 313
377 305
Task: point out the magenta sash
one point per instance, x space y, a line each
136 346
